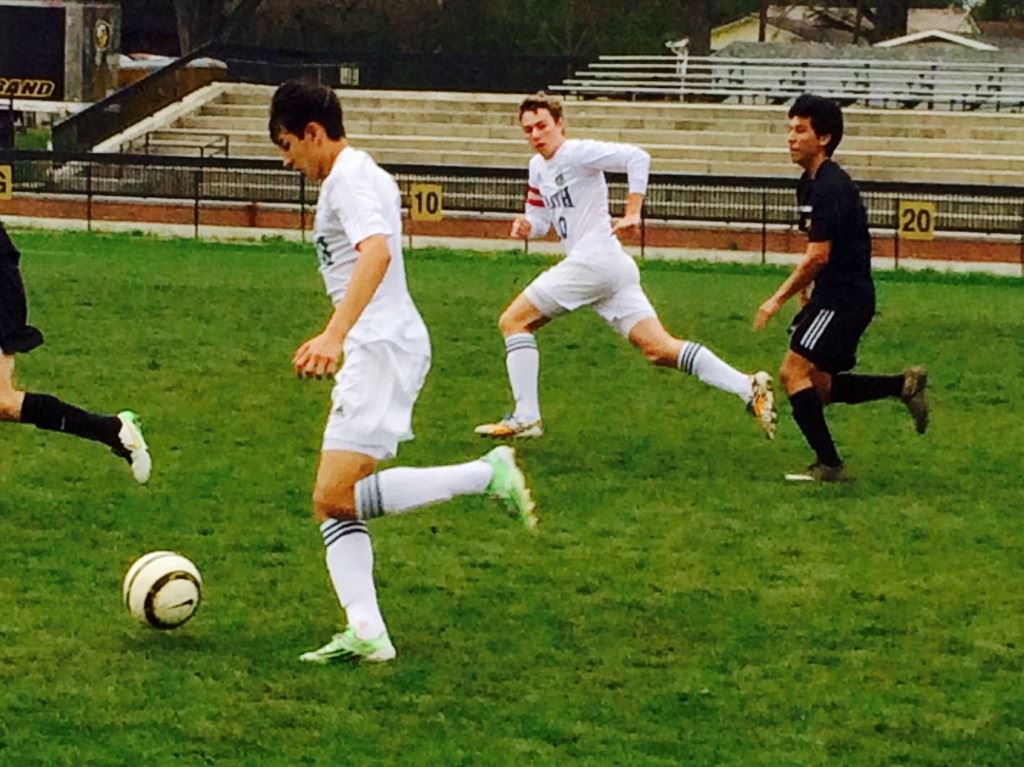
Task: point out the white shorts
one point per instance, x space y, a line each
611 287
372 400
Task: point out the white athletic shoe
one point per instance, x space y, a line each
510 427
133 446
762 402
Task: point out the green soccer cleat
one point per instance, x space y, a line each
347 646
509 485
132 446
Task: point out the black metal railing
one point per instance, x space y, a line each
730 200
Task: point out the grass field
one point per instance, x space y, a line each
679 605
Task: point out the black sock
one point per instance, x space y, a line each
46 412
810 417
851 389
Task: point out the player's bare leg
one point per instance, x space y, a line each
662 348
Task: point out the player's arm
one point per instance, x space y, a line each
613 157
631 216
815 257
534 221
319 355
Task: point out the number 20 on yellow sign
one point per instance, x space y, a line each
916 220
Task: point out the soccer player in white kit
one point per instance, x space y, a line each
567 190
376 327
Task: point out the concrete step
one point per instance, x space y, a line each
397 125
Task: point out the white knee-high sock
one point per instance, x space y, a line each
700 361
350 563
522 360
393 491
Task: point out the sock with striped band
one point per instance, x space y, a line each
522 361
350 564
403 488
699 361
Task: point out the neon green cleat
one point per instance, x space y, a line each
133 446
509 485
347 646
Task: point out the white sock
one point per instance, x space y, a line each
393 491
350 563
522 360
700 361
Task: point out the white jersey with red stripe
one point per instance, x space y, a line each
570 193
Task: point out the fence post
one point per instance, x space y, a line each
1022 238
643 232
88 197
302 205
764 226
197 179
896 235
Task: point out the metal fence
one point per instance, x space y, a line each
728 200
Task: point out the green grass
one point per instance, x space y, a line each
679 606
32 138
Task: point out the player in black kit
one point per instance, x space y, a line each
825 332
121 432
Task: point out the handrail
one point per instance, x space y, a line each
220 143
123 107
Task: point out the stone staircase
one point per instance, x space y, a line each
432 128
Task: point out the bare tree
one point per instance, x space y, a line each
698 16
891 18
202 21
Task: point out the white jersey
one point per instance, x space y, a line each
359 199
569 192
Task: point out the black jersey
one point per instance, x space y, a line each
831 211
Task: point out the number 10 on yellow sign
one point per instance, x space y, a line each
425 202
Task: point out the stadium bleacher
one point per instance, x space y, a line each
414 127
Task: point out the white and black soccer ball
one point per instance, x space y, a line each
162 589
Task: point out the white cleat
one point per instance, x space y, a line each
511 427
762 402
133 446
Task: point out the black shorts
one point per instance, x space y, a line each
828 335
15 335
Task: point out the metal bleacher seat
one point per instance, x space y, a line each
868 82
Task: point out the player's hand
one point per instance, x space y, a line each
765 312
520 228
627 224
804 296
318 357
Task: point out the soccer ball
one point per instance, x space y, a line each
162 589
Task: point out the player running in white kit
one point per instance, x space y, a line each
376 327
567 190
